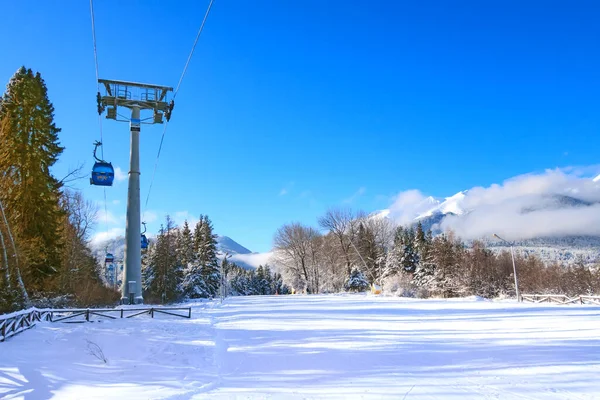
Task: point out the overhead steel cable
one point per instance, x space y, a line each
174 96
99 116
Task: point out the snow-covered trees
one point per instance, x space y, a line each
298 249
261 281
180 263
413 262
163 273
357 282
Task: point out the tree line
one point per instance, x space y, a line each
184 264
44 225
357 250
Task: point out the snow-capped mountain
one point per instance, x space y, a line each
553 215
450 205
230 246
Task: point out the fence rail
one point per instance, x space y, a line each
560 299
15 323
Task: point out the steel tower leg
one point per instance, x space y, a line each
132 284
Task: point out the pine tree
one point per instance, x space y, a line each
277 284
268 284
202 276
163 274
446 255
421 245
29 147
185 245
238 281
357 282
370 252
410 256
208 258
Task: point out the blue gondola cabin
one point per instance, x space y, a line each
103 174
144 242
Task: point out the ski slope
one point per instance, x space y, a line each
311 347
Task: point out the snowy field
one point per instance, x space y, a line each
305 347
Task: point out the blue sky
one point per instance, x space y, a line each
290 107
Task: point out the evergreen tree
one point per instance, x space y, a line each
253 283
198 237
268 284
163 274
277 284
185 245
421 245
208 258
357 282
262 283
29 147
238 282
370 252
446 255
403 256
202 276
410 256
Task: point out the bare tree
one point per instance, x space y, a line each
334 264
82 213
73 175
21 285
343 223
296 250
79 219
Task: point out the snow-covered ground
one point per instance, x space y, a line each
339 346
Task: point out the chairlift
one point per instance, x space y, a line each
103 172
144 238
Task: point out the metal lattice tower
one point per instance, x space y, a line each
136 97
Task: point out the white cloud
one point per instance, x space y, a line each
254 259
287 188
181 216
530 206
120 175
407 206
149 216
106 217
361 191
116 202
100 237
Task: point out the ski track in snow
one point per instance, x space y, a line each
313 347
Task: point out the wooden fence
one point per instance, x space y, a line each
15 323
560 299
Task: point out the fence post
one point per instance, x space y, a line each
87 315
121 313
3 332
152 312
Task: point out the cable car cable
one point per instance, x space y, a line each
96 65
99 117
174 96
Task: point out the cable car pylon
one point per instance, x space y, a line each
137 97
